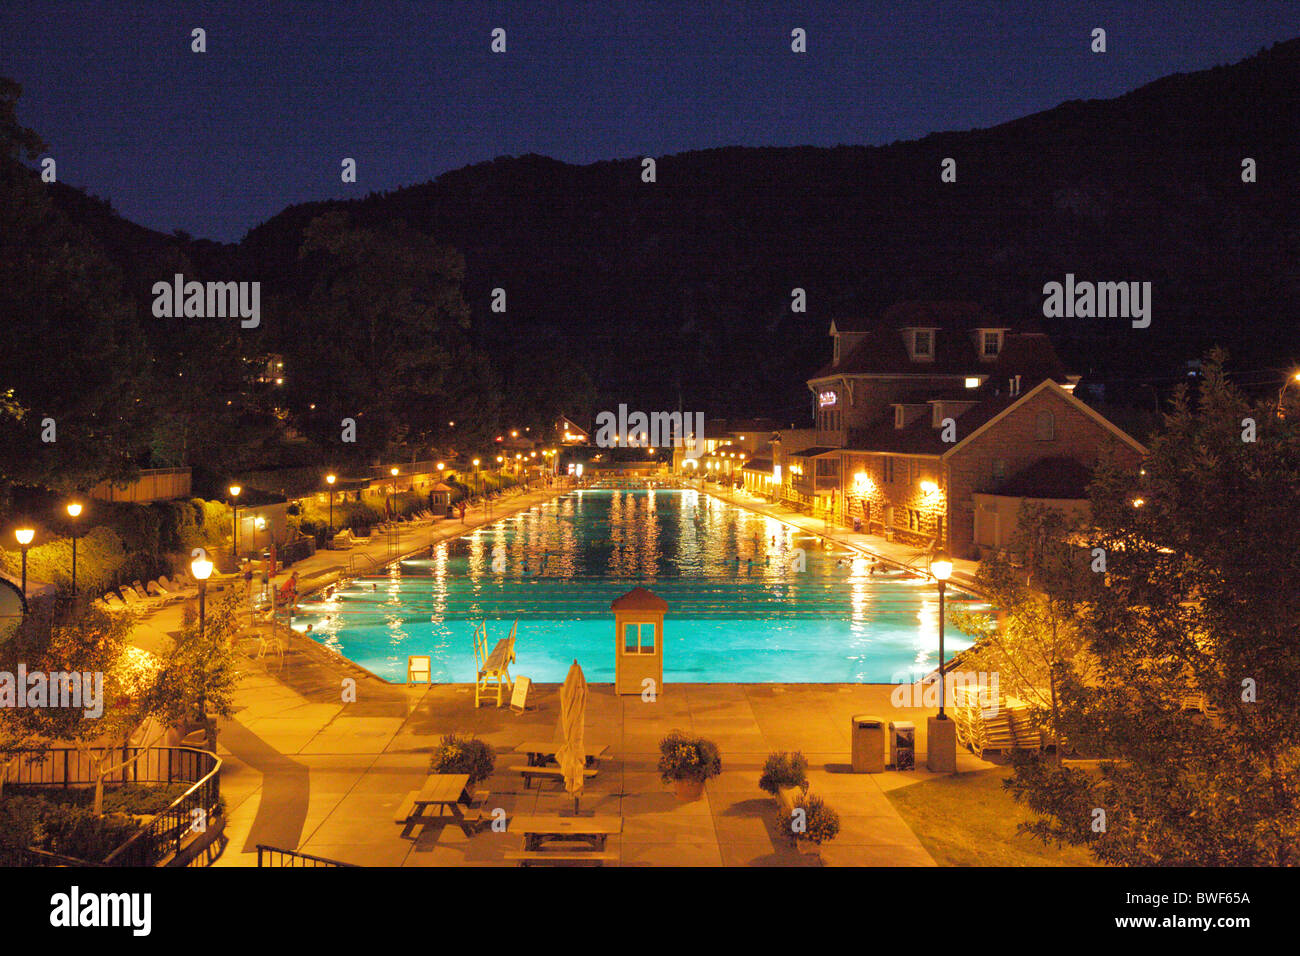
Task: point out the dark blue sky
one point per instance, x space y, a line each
217 142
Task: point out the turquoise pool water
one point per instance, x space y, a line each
787 611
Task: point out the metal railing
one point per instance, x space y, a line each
192 813
273 856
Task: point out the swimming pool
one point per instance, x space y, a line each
751 600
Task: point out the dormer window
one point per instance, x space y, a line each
990 343
922 343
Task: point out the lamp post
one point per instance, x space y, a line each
201 568
329 480
74 511
391 510
1293 377
234 508
24 536
941 749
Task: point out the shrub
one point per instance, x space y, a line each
821 823
456 754
688 758
76 831
784 769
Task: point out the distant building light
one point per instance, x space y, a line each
972 382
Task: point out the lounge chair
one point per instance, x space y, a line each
113 601
130 598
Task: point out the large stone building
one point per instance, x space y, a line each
925 416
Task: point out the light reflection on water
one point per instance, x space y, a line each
741 609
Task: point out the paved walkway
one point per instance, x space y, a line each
304 770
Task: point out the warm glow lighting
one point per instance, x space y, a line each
393 472
235 490
475 462
330 479
259 522
201 568
972 383
941 566
1138 502
25 535
74 508
440 466
514 433
929 487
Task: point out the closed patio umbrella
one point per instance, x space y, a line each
572 755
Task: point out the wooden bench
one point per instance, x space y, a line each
546 773
562 857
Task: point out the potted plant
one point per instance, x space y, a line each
811 824
686 762
456 754
784 769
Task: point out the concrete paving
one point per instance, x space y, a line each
304 770
326 777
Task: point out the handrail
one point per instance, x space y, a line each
169 827
352 561
276 856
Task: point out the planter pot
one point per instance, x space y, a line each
688 791
808 847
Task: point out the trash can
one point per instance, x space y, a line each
902 744
868 744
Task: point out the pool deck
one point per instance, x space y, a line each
305 771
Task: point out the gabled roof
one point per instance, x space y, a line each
920 437
1069 397
884 352
757 464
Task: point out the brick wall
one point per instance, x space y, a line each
1014 443
870 500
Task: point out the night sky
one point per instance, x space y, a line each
215 143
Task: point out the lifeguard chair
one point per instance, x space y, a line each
493 667
638 642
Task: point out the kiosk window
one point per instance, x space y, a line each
638 639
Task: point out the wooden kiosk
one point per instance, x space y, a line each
638 642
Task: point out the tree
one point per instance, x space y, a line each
72 350
381 336
1035 632
59 635
198 679
1199 600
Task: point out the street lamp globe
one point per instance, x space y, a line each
25 535
235 490
201 568
330 479
941 566
74 508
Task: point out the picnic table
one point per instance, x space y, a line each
447 792
542 752
585 832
